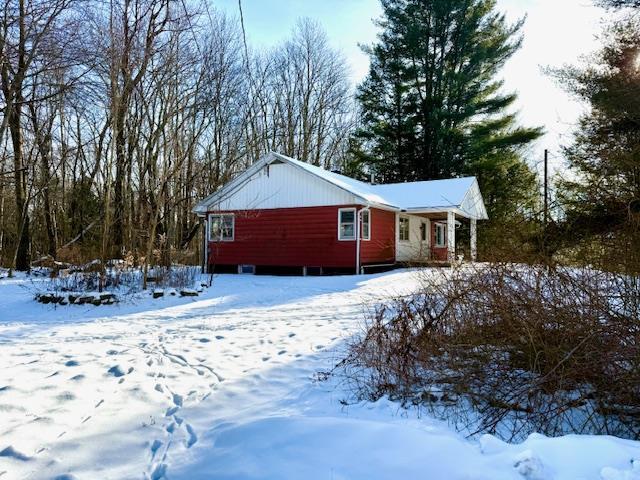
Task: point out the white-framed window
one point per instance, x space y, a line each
441 235
346 224
423 231
221 227
403 229
366 225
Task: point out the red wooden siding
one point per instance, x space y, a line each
306 236
382 246
438 253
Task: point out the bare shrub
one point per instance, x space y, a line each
176 276
120 275
510 350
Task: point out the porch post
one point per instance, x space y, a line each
474 249
428 255
451 237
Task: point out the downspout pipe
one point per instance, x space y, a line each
205 244
359 236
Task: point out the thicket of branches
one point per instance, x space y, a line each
510 351
116 117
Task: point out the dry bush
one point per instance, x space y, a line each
126 279
176 276
510 350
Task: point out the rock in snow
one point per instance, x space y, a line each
188 292
72 298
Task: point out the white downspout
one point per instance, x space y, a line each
358 237
357 242
205 253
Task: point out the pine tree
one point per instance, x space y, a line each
432 105
603 195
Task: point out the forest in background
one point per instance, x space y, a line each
117 117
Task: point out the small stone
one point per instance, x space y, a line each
44 299
84 299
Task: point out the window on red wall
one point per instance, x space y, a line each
221 227
441 235
366 225
347 224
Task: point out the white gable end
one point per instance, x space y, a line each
282 185
473 204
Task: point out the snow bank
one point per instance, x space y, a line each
348 448
221 386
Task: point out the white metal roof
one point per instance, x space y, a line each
461 194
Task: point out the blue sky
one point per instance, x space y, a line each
556 32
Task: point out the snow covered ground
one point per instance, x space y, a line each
222 386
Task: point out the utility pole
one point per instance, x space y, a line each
546 187
546 207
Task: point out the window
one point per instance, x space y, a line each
366 225
423 231
347 224
440 234
221 228
403 231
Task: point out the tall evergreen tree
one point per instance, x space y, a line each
603 195
432 105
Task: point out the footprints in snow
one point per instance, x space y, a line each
165 364
192 438
159 471
118 371
175 425
155 446
11 452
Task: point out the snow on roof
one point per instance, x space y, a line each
462 194
447 193
429 194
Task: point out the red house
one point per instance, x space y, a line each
285 214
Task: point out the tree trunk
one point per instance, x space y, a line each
22 215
